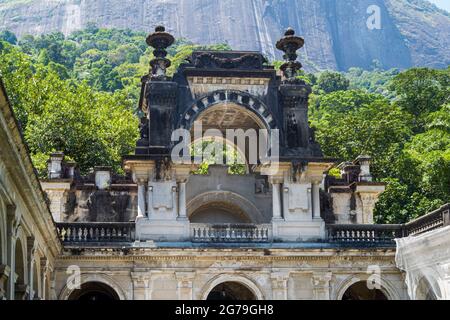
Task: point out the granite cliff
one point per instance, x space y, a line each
410 32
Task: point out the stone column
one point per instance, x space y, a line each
141 284
31 251
368 205
182 173
182 211
13 226
44 271
321 285
276 199
280 285
185 285
57 193
141 198
316 199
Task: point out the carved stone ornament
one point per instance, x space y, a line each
247 61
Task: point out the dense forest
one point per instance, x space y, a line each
78 94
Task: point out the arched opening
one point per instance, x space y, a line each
94 291
222 207
231 291
233 110
219 212
360 291
20 288
216 150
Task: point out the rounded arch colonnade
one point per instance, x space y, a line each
222 287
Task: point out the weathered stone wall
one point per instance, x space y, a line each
219 186
101 206
295 274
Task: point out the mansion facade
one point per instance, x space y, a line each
164 231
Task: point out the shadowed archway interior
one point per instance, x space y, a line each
219 212
231 291
218 121
360 291
94 291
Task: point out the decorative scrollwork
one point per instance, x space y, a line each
247 61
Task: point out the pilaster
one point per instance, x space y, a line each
321 285
185 285
279 285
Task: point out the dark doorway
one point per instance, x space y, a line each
94 291
360 291
231 291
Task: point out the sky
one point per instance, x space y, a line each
444 4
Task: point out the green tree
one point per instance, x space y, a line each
329 81
420 91
8 36
93 128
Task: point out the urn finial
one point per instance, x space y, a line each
289 44
160 40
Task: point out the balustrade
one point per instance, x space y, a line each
231 233
92 232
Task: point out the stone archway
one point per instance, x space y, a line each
231 291
360 291
231 287
104 280
386 287
226 202
94 291
244 114
244 101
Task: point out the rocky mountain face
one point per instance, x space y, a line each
339 34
